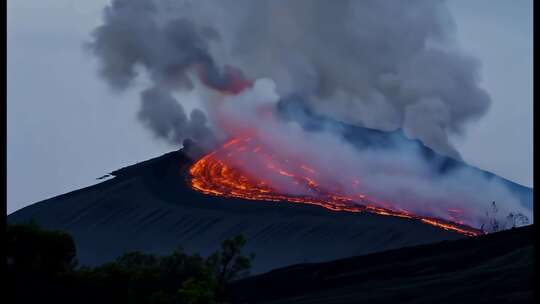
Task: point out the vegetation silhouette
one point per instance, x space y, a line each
44 262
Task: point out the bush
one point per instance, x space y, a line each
44 262
32 249
222 268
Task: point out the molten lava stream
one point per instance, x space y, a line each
217 174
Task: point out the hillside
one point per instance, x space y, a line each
495 268
149 207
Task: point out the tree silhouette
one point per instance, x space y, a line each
497 223
44 262
223 267
32 249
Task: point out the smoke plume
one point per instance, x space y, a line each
382 64
401 177
141 35
163 114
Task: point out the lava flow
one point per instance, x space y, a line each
219 173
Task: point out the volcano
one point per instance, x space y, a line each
151 207
163 203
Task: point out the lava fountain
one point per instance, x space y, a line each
218 174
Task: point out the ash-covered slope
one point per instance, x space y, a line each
150 207
494 268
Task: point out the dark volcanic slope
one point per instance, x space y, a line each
496 268
149 207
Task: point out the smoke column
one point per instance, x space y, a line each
380 64
147 36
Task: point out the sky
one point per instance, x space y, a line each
65 127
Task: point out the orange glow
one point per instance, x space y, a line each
217 174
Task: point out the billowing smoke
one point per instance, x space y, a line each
141 35
401 178
381 64
163 114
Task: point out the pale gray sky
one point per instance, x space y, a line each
65 127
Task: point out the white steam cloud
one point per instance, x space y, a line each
400 176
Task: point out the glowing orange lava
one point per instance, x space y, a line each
217 174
